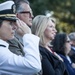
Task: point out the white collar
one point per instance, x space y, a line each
73 47
68 58
2 42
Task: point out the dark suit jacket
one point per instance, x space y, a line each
72 55
70 69
51 65
16 47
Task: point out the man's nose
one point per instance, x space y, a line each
14 27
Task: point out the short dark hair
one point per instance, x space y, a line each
18 4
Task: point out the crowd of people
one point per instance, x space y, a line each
31 45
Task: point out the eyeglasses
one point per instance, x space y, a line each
27 12
68 41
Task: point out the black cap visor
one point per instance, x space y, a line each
9 18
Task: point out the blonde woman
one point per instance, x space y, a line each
44 27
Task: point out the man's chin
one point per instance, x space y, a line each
12 37
30 25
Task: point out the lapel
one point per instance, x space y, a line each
20 45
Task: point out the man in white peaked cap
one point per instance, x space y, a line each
10 63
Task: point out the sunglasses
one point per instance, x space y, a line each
68 41
27 12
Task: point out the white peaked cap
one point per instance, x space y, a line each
6 5
7 11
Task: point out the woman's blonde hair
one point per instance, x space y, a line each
39 25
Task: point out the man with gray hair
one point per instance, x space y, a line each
72 53
24 13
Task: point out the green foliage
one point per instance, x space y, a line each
64 12
2 1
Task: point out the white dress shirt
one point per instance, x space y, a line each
12 64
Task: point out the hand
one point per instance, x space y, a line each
58 56
73 65
22 28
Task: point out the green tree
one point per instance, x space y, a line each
63 10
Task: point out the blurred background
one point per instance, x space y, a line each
62 10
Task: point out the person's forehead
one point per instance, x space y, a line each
51 23
26 6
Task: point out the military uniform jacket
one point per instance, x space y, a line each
13 64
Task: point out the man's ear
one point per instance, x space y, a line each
17 15
71 42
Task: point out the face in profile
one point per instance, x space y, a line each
50 31
67 45
7 30
26 15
